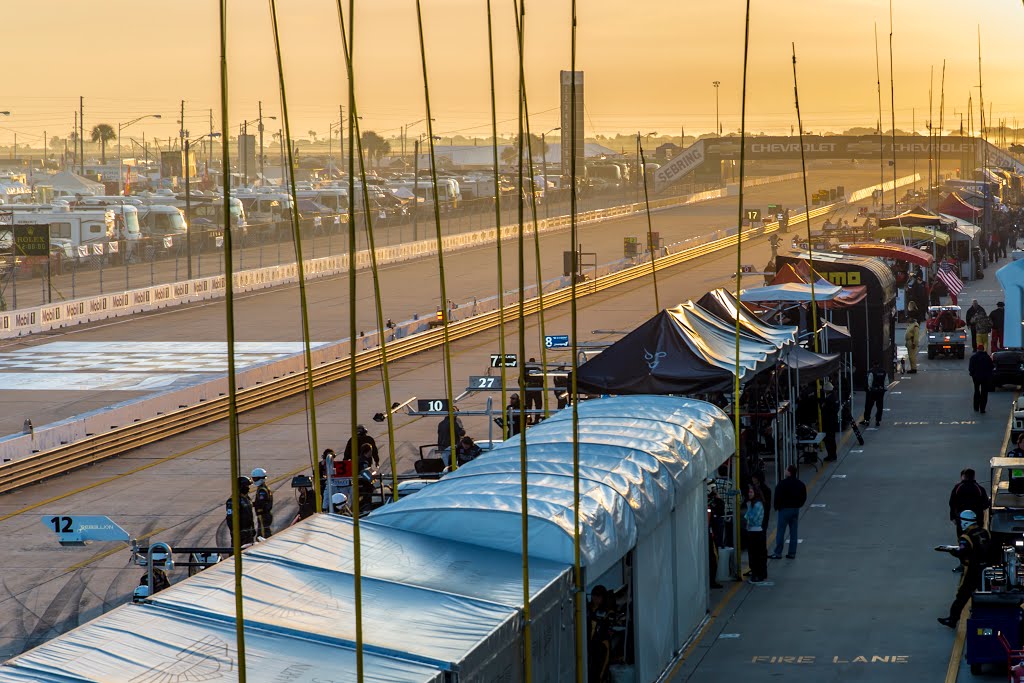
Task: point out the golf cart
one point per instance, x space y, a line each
947 332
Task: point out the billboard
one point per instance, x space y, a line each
847 147
681 164
569 128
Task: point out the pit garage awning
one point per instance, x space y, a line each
896 252
913 235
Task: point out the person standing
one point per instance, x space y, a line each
983 325
362 436
911 338
877 384
968 494
263 503
973 311
981 367
757 550
444 432
246 523
724 489
997 317
829 420
513 416
534 389
972 549
757 479
790 496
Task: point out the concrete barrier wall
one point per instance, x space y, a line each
96 308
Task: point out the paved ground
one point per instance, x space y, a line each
859 603
273 315
174 490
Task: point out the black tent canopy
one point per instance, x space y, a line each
683 350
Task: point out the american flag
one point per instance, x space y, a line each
948 275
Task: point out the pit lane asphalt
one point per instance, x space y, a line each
859 602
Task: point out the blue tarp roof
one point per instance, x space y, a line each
481 502
429 606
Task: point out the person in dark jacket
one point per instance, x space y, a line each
364 438
972 312
981 367
877 384
790 496
968 494
444 432
997 317
829 419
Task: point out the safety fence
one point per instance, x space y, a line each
129 301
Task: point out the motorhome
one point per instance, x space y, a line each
80 226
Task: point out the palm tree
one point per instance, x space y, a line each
312 136
374 145
103 133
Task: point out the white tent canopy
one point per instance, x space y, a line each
67 183
795 292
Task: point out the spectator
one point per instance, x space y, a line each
790 496
757 550
1018 451
997 318
973 311
981 367
757 479
968 494
983 325
444 432
911 338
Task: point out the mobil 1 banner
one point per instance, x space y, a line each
31 240
832 147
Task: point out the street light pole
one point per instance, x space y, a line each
263 175
544 169
718 126
120 164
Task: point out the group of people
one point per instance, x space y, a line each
984 325
789 497
255 515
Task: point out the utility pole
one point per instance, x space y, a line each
208 143
81 134
262 174
74 152
341 135
45 144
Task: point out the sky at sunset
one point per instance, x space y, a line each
649 64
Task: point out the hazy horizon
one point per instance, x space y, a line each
647 68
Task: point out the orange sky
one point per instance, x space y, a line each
649 63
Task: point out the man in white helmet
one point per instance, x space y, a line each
263 503
972 551
338 502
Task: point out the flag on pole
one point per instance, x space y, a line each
948 275
127 179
